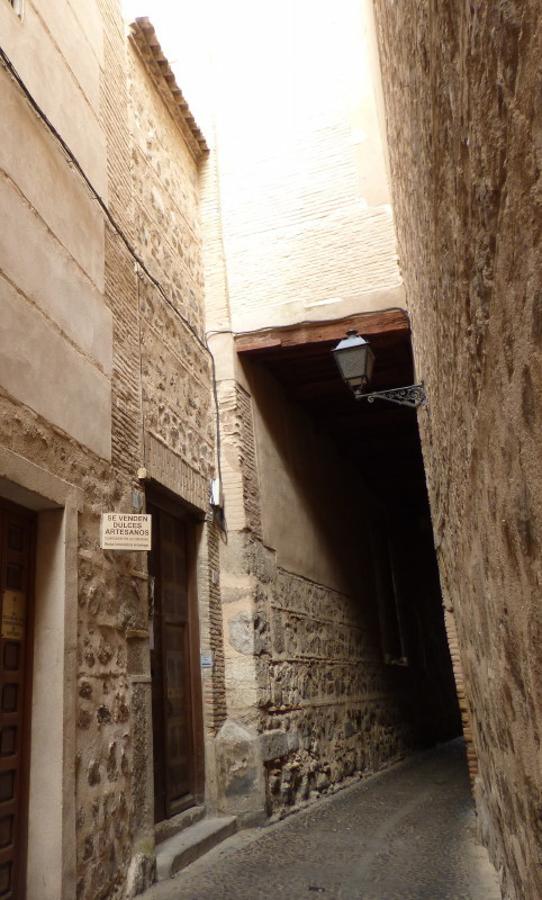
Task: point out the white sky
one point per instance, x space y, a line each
189 29
281 62
180 26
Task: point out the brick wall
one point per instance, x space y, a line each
162 420
113 715
179 413
462 88
299 172
210 623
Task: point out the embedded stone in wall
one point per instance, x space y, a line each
239 769
274 745
248 633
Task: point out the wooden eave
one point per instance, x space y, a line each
379 438
387 322
145 40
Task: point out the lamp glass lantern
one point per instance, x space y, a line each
355 361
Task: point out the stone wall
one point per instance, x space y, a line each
52 256
103 374
166 185
462 87
163 422
56 391
333 709
113 800
310 702
178 406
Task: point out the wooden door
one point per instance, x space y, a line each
173 666
16 575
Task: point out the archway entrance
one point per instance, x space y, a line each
382 441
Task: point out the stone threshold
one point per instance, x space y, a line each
177 852
169 827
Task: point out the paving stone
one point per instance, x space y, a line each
407 834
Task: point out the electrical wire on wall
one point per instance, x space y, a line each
334 321
140 263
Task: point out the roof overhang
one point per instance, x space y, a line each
391 323
145 40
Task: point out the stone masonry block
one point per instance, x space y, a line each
274 744
239 767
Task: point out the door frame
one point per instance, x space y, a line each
25 738
158 497
51 854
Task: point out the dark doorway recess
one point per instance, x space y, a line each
382 442
176 687
16 633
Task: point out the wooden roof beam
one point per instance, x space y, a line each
394 321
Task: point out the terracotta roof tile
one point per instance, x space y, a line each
145 39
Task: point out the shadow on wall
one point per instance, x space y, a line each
356 669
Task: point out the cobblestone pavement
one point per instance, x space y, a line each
408 834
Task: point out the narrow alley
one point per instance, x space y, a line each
270 470
406 834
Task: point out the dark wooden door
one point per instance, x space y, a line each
16 575
174 673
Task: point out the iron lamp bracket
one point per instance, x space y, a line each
412 395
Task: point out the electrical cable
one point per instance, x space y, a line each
8 65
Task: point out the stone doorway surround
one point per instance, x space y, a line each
51 864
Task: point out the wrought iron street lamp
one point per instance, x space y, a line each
355 361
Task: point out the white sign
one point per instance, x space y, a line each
206 659
125 531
